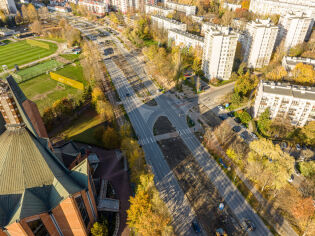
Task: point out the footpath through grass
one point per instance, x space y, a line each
21 53
44 91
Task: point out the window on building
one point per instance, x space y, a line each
82 209
38 228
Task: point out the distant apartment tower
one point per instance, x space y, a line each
188 9
285 100
185 39
261 41
96 7
293 28
157 10
282 7
8 6
167 24
218 52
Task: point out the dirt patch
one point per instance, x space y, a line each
44 95
200 192
163 126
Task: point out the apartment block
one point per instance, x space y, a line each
290 62
262 36
157 10
218 52
188 9
293 28
185 39
97 7
231 6
282 7
8 6
167 24
285 100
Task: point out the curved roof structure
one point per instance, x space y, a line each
33 180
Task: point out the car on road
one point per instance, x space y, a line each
254 136
196 227
298 147
236 128
127 94
296 169
248 225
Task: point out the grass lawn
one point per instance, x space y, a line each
21 53
54 39
38 69
44 91
70 57
82 129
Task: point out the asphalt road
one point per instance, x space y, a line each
226 188
166 182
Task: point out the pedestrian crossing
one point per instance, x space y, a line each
152 139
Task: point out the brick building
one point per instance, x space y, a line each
39 195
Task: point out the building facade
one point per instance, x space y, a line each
231 6
188 9
185 39
262 36
285 100
8 6
167 24
39 195
157 10
218 52
98 7
290 62
293 28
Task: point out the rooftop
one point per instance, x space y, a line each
286 89
169 20
189 35
159 7
181 4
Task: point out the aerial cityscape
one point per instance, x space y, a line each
157 118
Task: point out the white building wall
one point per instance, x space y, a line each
261 40
188 9
295 102
157 10
293 28
166 23
218 53
181 38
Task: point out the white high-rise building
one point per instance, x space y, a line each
218 52
166 23
260 44
157 10
188 9
185 39
293 28
285 100
8 6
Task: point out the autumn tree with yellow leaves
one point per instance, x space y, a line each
304 74
148 215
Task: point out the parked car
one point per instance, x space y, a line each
291 179
248 225
230 114
221 108
237 120
243 126
298 147
296 170
254 136
196 226
283 145
236 129
127 95
223 117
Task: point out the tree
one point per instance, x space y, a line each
280 127
245 4
31 13
297 50
244 116
3 17
233 156
309 133
24 13
36 27
99 229
304 74
304 210
264 122
110 138
227 18
307 168
278 164
18 18
245 84
148 214
278 73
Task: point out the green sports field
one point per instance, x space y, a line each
21 53
45 91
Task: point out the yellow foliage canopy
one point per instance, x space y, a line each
304 74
